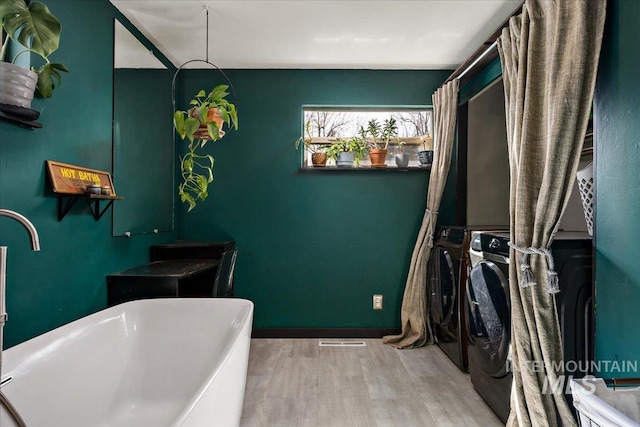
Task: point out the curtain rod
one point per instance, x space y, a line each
478 59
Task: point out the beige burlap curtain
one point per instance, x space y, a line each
416 328
549 57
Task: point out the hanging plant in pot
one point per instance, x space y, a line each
38 31
203 122
380 137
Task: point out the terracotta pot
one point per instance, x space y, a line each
212 116
378 157
319 160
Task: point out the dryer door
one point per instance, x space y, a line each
489 317
442 286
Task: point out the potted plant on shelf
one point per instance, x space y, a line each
38 31
402 158
426 155
318 151
380 137
203 122
345 152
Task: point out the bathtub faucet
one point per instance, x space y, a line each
33 233
35 245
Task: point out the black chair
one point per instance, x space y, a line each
223 284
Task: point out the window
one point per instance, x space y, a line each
327 125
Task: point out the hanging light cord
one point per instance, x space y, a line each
206 60
206 54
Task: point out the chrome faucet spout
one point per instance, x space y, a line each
35 245
33 233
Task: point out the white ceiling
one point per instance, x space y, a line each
415 34
128 52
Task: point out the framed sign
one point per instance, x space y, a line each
70 179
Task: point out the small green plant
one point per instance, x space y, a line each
373 129
203 122
380 134
34 27
306 142
389 130
356 145
311 148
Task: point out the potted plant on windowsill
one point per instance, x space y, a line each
402 158
346 152
380 137
318 151
35 28
426 155
203 122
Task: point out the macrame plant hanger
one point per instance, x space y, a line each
206 61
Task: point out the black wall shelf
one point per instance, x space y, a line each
20 121
66 202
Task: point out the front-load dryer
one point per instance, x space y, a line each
488 312
447 276
447 271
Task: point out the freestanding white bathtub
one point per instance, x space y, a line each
149 363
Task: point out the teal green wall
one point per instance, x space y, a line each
479 81
66 280
313 248
617 106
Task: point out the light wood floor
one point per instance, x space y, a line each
294 382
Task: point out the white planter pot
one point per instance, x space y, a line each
402 160
17 85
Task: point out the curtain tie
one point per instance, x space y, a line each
528 278
433 216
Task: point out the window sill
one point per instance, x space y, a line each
307 169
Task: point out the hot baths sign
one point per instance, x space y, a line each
70 179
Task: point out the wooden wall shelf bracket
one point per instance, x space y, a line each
71 182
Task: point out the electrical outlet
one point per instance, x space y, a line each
377 302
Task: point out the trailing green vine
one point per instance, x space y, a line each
194 184
203 122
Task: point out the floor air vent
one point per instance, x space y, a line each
339 343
